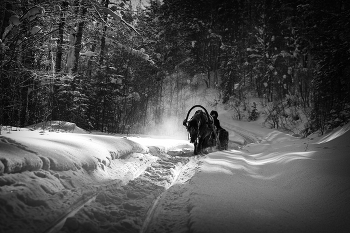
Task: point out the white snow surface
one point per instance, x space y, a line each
106 183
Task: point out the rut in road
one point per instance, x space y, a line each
171 211
248 137
125 208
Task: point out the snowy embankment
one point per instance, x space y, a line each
282 184
67 182
46 176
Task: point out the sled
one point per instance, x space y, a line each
223 139
203 133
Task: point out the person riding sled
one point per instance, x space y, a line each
219 130
215 115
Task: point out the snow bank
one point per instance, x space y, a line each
279 184
62 126
34 150
174 147
45 175
282 184
336 133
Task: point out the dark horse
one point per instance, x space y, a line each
201 129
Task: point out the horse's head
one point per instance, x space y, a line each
192 129
196 123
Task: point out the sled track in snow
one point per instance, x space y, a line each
248 139
127 208
246 135
57 225
150 215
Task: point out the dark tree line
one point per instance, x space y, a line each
110 67
74 60
287 52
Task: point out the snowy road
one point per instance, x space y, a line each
118 184
235 191
281 184
60 182
130 207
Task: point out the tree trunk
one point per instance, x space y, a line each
103 39
78 39
60 37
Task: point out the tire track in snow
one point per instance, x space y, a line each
248 137
56 226
128 208
86 199
153 210
170 212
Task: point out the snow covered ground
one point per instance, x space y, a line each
78 182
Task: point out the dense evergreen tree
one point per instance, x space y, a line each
106 66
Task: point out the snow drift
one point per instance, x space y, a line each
69 182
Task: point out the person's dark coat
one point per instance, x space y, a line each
215 115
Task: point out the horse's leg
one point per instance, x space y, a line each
215 134
226 140
207 144
218 142
200 145
195 152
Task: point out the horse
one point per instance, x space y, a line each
201 129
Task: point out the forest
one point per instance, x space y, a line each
116 66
